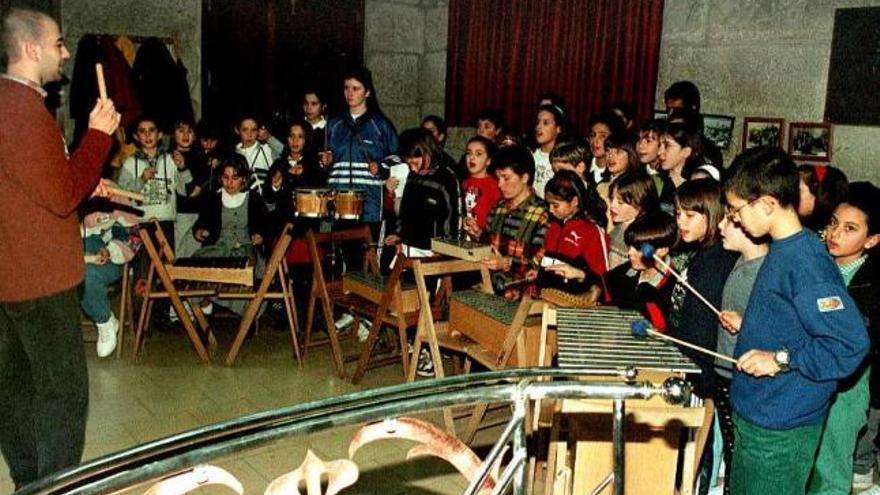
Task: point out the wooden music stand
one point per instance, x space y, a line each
331 293
436 333
397 305
166 288
276 269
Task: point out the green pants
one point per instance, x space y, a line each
774 462
832 473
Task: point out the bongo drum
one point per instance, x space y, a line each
349 204
312 203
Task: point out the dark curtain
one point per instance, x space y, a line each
504 53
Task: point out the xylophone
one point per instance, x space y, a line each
238 270
465 250
485 319
602 339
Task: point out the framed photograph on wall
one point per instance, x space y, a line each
762 131
718 129
809 141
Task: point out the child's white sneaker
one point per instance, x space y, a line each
364 331
862 481
107 336
344 321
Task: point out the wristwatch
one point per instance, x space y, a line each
782 358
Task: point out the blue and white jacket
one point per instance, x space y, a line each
355 143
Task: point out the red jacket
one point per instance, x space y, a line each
579 239
581 243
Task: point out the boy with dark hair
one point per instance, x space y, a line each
490 125
153 172
851 235
800 335
682 94
639 283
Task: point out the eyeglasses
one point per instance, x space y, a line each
732 215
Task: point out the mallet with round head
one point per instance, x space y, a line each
642 329
649 251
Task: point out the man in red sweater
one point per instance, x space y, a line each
43 376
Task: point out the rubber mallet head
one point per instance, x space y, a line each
648 250
639 328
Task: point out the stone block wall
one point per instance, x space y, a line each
405 47
765 58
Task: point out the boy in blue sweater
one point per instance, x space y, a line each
800 335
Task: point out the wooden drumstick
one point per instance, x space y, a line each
102 85
649 251
641 328
125 194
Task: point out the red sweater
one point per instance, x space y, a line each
40 244
480 195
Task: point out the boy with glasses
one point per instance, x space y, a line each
801 332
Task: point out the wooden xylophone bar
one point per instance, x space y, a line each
237 271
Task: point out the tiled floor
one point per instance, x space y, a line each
169 391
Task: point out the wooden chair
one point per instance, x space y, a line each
277 273
160 285
330 293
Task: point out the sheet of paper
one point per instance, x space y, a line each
399 172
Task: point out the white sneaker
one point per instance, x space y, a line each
364 331
344 321
862 481
874 490
425 366
107 336
172 313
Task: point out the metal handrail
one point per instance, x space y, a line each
183 451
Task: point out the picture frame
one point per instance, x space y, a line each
810 141
762 131
719 129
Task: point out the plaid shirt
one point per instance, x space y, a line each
518 233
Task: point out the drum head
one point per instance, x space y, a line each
312 191
349 192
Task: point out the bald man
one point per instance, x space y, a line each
43 377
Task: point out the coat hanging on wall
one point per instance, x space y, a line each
161 83
93 49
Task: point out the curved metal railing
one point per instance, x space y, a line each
183 451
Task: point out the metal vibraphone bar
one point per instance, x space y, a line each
187 450
602 338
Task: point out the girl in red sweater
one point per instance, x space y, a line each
481 188
576 248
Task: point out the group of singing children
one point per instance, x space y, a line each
784 252
211 196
